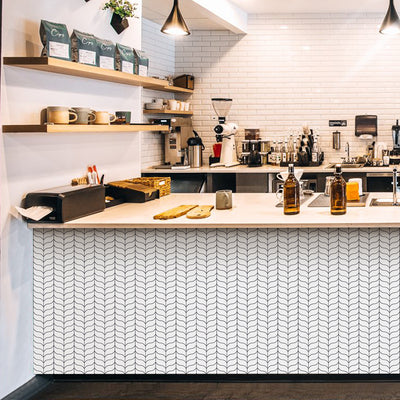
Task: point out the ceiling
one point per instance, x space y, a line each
313 6
198 18
158 11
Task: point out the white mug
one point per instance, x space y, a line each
172 104
104 118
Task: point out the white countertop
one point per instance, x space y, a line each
250 210
243 169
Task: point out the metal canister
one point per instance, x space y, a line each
264 158
246 146
196 155
245 158
254 145
336 140
265 146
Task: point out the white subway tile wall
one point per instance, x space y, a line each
160 49
292 69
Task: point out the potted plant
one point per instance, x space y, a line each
122 9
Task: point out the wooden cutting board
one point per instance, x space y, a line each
199 212
175 212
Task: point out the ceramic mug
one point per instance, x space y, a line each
104 118
172 104
60 115
223 199
123 117
85 115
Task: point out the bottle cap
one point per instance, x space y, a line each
338 168
291 168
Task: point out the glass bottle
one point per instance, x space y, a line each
271 155
338 192
278 153
291 193
290 149
315 153
284 153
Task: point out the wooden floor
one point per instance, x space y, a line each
219 391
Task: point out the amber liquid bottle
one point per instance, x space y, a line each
291 193
338 193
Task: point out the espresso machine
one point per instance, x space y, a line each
395 153
176 142
225 133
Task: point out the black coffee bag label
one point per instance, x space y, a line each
84 48
124 59
106 53
55 40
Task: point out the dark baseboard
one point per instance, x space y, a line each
229 378
30 388
40 382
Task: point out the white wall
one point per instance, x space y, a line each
295 68
31 162
160 49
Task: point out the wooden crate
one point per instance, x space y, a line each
162 183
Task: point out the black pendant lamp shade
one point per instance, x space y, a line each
175 24
391 23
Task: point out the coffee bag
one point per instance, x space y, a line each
105 53
55 40
84 48
124 59
142 63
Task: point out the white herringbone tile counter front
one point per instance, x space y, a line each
208 301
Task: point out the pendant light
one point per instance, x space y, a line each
391 23
175 24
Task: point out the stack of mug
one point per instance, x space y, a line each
176 105
167 104
84 116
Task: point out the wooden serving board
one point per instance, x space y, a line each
175 212
199 212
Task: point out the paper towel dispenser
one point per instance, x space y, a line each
68 202
366 126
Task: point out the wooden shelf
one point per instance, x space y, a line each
54 65
173 112
82 128
176 89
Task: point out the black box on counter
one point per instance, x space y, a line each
68 202
184 81
131 192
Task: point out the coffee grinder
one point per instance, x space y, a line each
225 133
